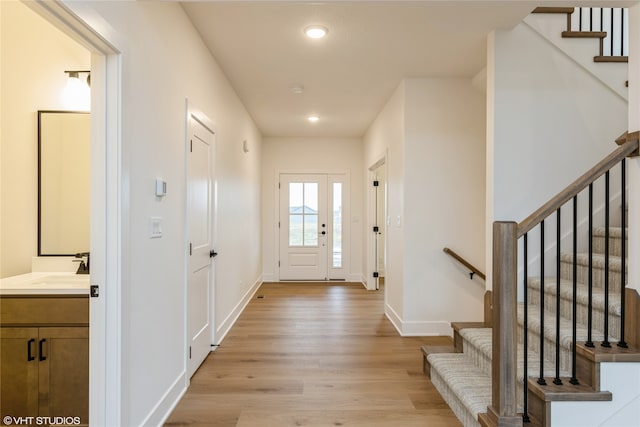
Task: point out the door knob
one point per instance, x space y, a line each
213 254
323 233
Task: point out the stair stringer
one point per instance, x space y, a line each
581 51
623 381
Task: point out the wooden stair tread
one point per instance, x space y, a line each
433 349
485 421
611 58
584 34
568 10
613 354
457 326
566 392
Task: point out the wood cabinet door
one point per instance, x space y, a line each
19 372
64 372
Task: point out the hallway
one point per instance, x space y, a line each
305 354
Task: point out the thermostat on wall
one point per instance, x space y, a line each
161 188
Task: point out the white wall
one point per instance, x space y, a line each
444 203
432 131
551 121
385 138
164 62
310 155
34 56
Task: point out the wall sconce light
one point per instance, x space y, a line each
76 94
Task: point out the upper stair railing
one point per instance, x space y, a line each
577 201
613 22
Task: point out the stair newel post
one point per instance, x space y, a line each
503 410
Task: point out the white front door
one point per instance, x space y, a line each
312 227
199 250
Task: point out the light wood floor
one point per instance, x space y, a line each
314 355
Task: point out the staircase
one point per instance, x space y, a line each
561 317
464 379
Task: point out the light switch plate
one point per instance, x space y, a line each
155 227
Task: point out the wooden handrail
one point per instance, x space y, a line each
464 262
626 149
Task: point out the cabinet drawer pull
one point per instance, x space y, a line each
30 357
41 350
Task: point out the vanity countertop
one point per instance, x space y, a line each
45 283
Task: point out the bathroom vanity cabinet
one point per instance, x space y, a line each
44 357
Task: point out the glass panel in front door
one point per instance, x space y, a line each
303 214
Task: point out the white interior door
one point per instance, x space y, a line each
304 229
199 234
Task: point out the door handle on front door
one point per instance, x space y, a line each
323 233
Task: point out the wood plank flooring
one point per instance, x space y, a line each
314 354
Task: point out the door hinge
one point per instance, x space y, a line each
278 186
191 145
278 264
278 224
376 228
376 183
189 352
375 274
94 291
190 249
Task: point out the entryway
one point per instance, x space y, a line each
313 227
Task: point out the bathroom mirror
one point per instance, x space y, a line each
63 182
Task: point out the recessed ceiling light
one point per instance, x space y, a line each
316 31
313 118
297 89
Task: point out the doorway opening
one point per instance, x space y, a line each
106 210
378 222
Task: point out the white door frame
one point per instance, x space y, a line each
346 216
109 210
370 282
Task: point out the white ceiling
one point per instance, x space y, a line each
349 75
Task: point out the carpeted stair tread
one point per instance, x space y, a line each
582 292
478 347
463 385
582 259
566 328
615 232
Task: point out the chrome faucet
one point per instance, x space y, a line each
82 268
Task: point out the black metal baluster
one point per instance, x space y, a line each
611 32
602 19
557 380
605 342
574 379
541 379
589 342
623 252
622 32
590 19
525 412
580 18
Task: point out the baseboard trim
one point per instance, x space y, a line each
393 317
426 329
167 403
417 328
231 319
